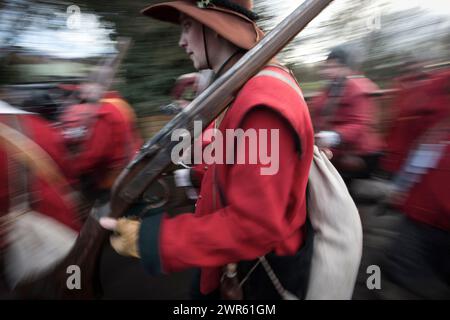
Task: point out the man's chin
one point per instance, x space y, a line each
198 66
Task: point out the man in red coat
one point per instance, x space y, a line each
50 199
344 117
410 240
107 139
418 105
426 200
47 195
186 88
241 214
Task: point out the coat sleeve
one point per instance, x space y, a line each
254 221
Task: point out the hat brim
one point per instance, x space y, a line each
231 25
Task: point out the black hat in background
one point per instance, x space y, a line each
341 55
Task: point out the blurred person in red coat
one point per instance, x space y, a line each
409 238
186 88
37 151
345 117
241 214
102 131
418 105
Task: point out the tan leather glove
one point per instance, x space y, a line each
125 237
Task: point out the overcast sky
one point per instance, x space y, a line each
312 52
90 39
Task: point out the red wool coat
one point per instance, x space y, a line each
47 198
418 106
428 200
111 143
261 213
354 119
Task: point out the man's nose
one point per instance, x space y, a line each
182 42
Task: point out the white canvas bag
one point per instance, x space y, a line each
335 219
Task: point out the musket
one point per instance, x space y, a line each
106 74
154 158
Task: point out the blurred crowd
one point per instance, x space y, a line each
398 177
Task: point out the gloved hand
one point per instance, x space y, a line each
125 237
327 139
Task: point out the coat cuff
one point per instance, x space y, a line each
149 243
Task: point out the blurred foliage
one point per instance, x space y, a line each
151 65
154 60
382 40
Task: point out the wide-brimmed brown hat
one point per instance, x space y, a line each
232 19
